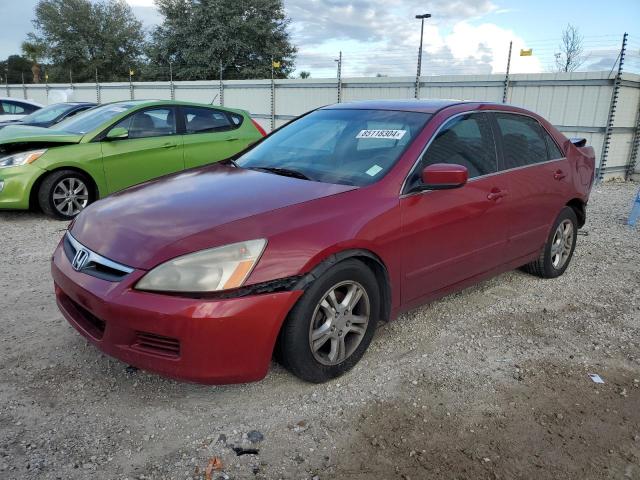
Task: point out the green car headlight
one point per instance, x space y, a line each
22 158
208 270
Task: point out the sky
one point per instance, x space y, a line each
382 37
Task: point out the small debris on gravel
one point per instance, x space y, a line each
500 369
255 436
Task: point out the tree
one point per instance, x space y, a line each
197 36
34 52
304 74
80 36
570 56
13 68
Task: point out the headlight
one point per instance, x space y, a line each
21 158
208 270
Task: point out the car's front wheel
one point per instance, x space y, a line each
331 326
558 250
64 194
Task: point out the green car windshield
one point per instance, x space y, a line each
350 147
91 119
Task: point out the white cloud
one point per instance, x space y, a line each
384 38
141 3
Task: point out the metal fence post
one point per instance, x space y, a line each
273 99
221 87
505 92
172 87
24 88
340 77
612 111
46 86
6 80
97 88
71 80
131 83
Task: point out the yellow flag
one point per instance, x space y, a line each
526 53
131 72
275 64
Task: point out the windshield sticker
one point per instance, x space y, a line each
373 171
385 134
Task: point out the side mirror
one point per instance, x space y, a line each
118 133
442 176
578 142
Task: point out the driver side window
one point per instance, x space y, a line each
465 140
156 122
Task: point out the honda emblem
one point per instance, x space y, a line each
80 260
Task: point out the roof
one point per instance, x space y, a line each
426 106
22 100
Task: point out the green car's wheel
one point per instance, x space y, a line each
64 194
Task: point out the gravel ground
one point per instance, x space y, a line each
487 383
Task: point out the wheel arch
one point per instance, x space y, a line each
33 194
370 259
580 209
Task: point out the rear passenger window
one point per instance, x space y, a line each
203 120
553 152
522 140
465 140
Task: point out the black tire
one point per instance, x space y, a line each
544 266
294 350
49 185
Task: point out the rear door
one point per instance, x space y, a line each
453 235
538 179
211 135
152 149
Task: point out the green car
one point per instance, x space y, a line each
111 147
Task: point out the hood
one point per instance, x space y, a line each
133 227
22 133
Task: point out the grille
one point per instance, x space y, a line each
157 344
97 265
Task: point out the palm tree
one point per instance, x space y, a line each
34 52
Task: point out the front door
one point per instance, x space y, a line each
454 235
151 149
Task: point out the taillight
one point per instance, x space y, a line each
259 128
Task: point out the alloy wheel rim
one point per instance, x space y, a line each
70 196
562 244
339 322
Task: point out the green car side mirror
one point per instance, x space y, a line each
118 133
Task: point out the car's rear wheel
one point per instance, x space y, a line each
558 250
64 194
331 326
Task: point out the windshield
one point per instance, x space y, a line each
47 114
350 147
91 119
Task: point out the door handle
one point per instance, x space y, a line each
169 145
559 175
232 139
496 194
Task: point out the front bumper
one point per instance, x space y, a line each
16 186
204 341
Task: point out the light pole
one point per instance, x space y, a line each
421 18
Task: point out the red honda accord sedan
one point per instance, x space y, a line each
299 245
